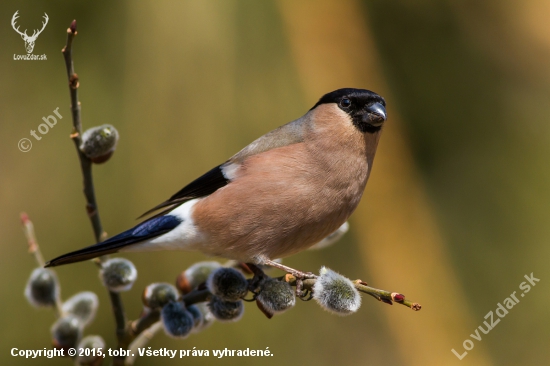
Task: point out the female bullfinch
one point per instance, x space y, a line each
280 195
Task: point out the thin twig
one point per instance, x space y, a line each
382 295
85 163
196 296
141 341
89 193
148 318
34 249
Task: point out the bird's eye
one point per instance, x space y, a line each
345 103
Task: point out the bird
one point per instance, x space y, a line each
280 195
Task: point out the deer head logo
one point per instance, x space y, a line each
29 40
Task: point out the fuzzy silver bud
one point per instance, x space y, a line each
156 295
42 288
332 238
176 320
336 293
99 143
275 296
227 284
89 351
66 332
83 306
118 274
195 275
226 311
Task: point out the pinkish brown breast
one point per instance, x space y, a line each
284 200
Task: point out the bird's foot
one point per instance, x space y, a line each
254 283
299 275
296 273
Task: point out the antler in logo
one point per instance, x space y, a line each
29 41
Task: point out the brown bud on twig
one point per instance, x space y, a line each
395 296
72 28
73 81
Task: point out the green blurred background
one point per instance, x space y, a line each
455 213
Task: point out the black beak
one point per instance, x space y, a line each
376 115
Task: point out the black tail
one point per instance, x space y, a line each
90 252
146 230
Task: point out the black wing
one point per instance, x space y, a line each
203 186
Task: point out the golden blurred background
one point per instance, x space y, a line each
454 214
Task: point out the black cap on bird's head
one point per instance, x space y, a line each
366 108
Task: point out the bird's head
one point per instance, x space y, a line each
366 109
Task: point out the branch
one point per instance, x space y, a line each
149 318
386 296
141 341
89 193
85 163
381 295
143 329
34 249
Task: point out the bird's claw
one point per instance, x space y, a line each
304 295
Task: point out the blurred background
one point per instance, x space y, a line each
454 215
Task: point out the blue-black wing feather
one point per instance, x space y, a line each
146 230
